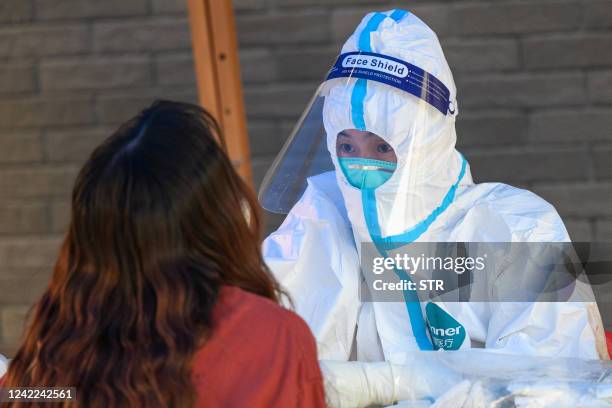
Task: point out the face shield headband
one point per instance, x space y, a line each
396 73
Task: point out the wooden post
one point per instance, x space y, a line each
217 68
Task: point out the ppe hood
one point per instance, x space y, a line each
391 79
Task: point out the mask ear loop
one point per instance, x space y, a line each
363 180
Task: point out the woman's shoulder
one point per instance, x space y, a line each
240 315
259 314
252 331
258 347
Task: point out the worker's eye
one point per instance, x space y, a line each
347 148
384 148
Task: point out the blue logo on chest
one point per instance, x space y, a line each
446 332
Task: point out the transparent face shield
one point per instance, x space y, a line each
366 121
303 155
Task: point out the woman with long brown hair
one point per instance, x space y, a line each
160 296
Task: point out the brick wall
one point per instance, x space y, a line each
534 80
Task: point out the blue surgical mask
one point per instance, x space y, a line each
366 173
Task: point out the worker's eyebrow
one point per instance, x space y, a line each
344 134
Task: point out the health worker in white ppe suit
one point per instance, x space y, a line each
373 160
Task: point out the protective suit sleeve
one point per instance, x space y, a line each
357 384
469 379
314 258
562 329
3 365
546 329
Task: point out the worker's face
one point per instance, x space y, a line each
365 145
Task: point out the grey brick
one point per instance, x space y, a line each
579 230
600 86
602 161
12 322
21 271
17 78
22 290
142 35
305 63
266 138
257 65
598 14
344 21
286 101
590 50
515 17
41 112
240 5
289 28
571 126
438 17
286 127
36 181
62 9
175 69
20 147
578 199
491 129
260 166
43 40
170 6
23 217
603 230
477 55
522 165
96 73
27 253
60 216
73 145
116 109
8 349
520 90
301 3
15 11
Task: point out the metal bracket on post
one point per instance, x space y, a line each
217 68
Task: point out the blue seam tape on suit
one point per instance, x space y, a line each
364 44
413 305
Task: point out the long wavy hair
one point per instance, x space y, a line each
160 220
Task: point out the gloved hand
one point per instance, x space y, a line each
358 384
353 384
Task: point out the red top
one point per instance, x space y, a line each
259 355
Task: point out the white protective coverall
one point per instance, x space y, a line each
3 365
430 197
